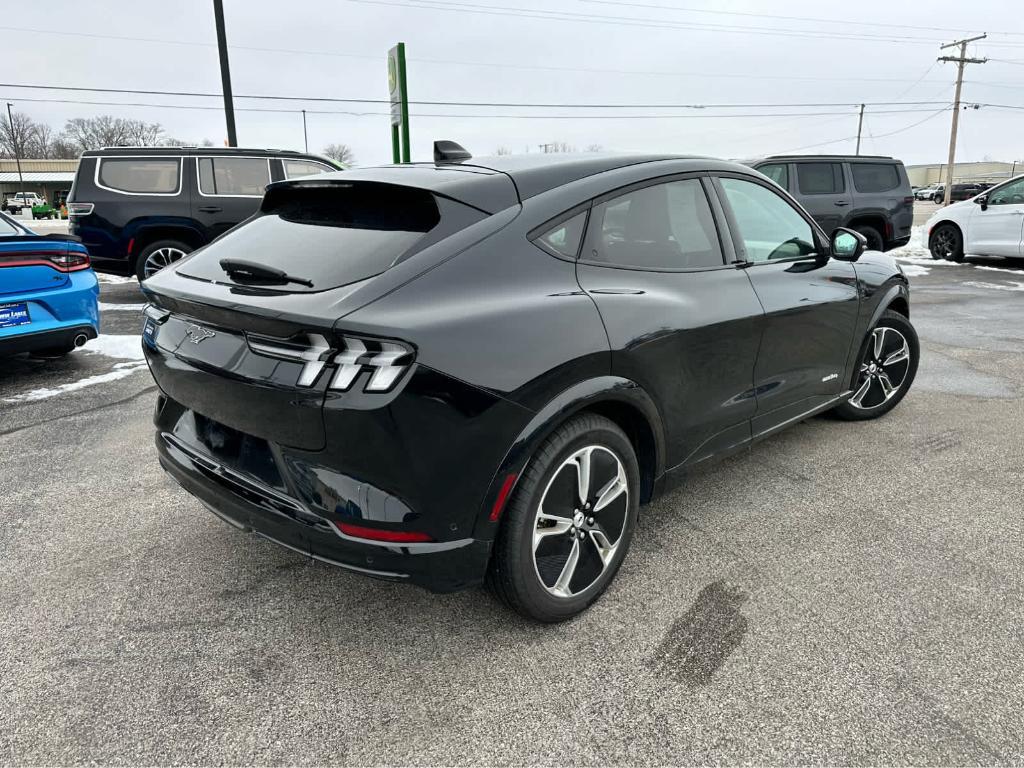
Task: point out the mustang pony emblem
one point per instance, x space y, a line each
196 333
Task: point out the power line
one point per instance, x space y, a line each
873 24
528 105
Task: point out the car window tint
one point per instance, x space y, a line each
1011 194
820 178
296 169
564 238
874 177
777 172
769 227
233 175
664 226
142 175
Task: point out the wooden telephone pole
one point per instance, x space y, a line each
961 61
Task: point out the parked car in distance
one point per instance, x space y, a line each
869 194
137 209
925 193
16 202
48 293
990 224
965 192
938 193
443 372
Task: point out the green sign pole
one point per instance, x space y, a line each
397 89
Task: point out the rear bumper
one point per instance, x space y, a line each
56 338
247 504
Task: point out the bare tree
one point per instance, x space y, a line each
109 131
557 146
16 137
503 151
594 148
342 154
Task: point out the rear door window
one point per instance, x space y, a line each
820 178
234 176
296 169
874 177
333 235
140 175
777 172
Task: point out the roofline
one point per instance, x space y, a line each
830 157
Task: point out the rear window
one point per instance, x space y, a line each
140 175
296 169
234 176
875 177
333 235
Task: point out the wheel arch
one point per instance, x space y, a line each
621 400
895 297
952 223
144 234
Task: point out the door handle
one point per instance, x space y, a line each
210 209
841 203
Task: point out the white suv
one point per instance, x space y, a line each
989 224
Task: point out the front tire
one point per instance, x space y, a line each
569 523
158 255
946 242
887 368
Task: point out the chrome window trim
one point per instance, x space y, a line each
199 183
100 160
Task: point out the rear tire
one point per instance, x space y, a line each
158 255
550 566
886 369
873 236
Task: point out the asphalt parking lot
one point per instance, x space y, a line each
843 593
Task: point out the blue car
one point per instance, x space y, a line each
48 292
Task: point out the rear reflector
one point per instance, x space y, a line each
376 534
499 503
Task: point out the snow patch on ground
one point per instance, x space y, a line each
915 270
103 277
120 346
916 252
105 307
121 371
1012 286
1001 269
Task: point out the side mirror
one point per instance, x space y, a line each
982 200
847 245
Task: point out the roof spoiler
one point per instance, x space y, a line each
450 152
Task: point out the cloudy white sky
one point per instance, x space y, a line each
610 52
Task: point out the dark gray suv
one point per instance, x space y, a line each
867 193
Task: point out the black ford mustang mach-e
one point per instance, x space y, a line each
472 370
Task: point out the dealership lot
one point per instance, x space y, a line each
845 592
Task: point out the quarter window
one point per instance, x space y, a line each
296 169
141 175
777 172
664 226
769 227
564 239
240 176
820 178
874 177
1011 194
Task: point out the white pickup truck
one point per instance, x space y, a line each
14 203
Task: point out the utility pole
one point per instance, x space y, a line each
17 149
225 72
961 61
860 124
305 137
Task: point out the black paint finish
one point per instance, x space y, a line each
508 341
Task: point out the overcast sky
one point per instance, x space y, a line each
508 54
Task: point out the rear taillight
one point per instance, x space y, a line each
62 261
79 209
908 199
385 361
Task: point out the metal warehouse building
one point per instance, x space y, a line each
49 178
